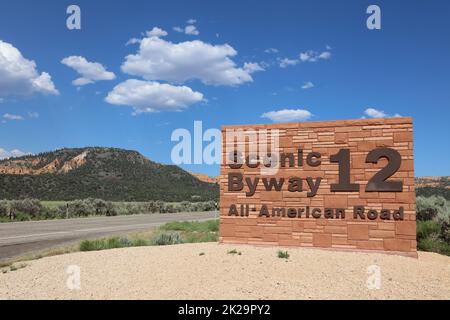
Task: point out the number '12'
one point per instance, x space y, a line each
378 182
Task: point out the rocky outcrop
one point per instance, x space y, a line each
205 178
38 166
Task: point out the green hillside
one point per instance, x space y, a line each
105 173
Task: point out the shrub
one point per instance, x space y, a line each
283 254
31 209
150 206
427 228
160 206
170 208
50 213
428 208
197 237
132 208
4 208
101 207
111 210
188 233
140 243
92 245
17 267
20 216
435 208
185 206
104 244
81 208
199 226
195 231
444 221
167 238
26 207
122 243
434 244
208 206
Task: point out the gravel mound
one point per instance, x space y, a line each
208 271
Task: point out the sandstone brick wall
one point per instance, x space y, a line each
360 136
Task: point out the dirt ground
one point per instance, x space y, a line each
208 271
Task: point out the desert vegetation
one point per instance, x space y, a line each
234 251
433 229
433 219
283 254
169 234
32 209
433 224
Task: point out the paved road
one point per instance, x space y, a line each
21 238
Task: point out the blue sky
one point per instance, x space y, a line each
401 69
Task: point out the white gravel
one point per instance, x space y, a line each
180 272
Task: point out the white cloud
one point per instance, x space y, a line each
5 154
158 59
313 56
374 113
33 115
19 76
150 96
191 21
271 50
9 116
308 85
90 71
308 56
325 55
191 30
156 32
133 41
284 63
251 67
44 83
286 115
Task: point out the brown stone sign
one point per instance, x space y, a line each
345 185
